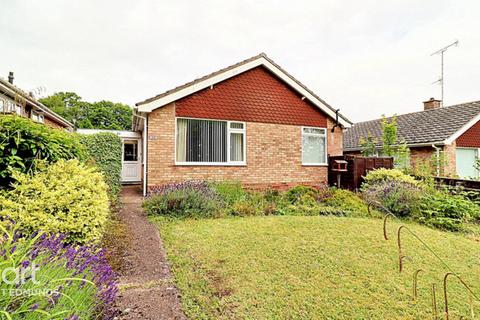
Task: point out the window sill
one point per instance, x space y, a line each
203 164
314 164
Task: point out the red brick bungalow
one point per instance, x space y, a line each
14 100
251 122
453 131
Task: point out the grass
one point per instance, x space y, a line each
297 267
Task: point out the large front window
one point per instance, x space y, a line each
314 146
210 142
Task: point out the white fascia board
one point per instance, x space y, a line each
149 107
463 129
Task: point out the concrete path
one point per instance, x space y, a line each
147 288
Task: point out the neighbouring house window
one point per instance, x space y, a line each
465 161
37 117
210 142
314 146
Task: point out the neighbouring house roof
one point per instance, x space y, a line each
231 71
12 90
439 126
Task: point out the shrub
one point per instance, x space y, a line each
382 174
296 193
230 191
23 143
69 282
445 211
105 150
182 200
243 208
67 197
346 201
399 197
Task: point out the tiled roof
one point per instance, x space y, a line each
256 95
418 127
211 75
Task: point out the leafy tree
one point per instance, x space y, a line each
99 115
368 146
389 136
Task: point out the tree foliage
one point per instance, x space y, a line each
24 144
98 115
389 136
368 146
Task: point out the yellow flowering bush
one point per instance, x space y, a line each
66 197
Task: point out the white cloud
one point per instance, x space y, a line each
365 57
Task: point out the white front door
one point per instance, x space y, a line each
131 162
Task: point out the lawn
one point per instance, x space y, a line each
297 267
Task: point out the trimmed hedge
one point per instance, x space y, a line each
105 150
67 197
23 143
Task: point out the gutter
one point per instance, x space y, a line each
413 145
437 156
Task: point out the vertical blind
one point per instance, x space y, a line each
206 141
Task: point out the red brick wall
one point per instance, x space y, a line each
273 155
471 138
51 123
253 96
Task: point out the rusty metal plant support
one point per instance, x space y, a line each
470 293
434 302
415 282
385 236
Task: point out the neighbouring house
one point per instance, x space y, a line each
449 135
251 122
14 100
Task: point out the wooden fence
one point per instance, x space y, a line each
357 168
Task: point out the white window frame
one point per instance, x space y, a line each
325 135
37 116
229 131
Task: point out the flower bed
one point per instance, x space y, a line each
45 277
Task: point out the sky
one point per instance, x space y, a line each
367 58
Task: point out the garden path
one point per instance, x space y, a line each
147 288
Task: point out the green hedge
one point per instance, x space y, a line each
23 143
105 149
66 197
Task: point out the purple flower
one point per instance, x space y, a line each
25 264
34 307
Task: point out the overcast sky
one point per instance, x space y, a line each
364 57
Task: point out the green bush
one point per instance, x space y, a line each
105 150
67 197
445 211
243 208
382 174
296 193
185 200
23 143
346 201
230 191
